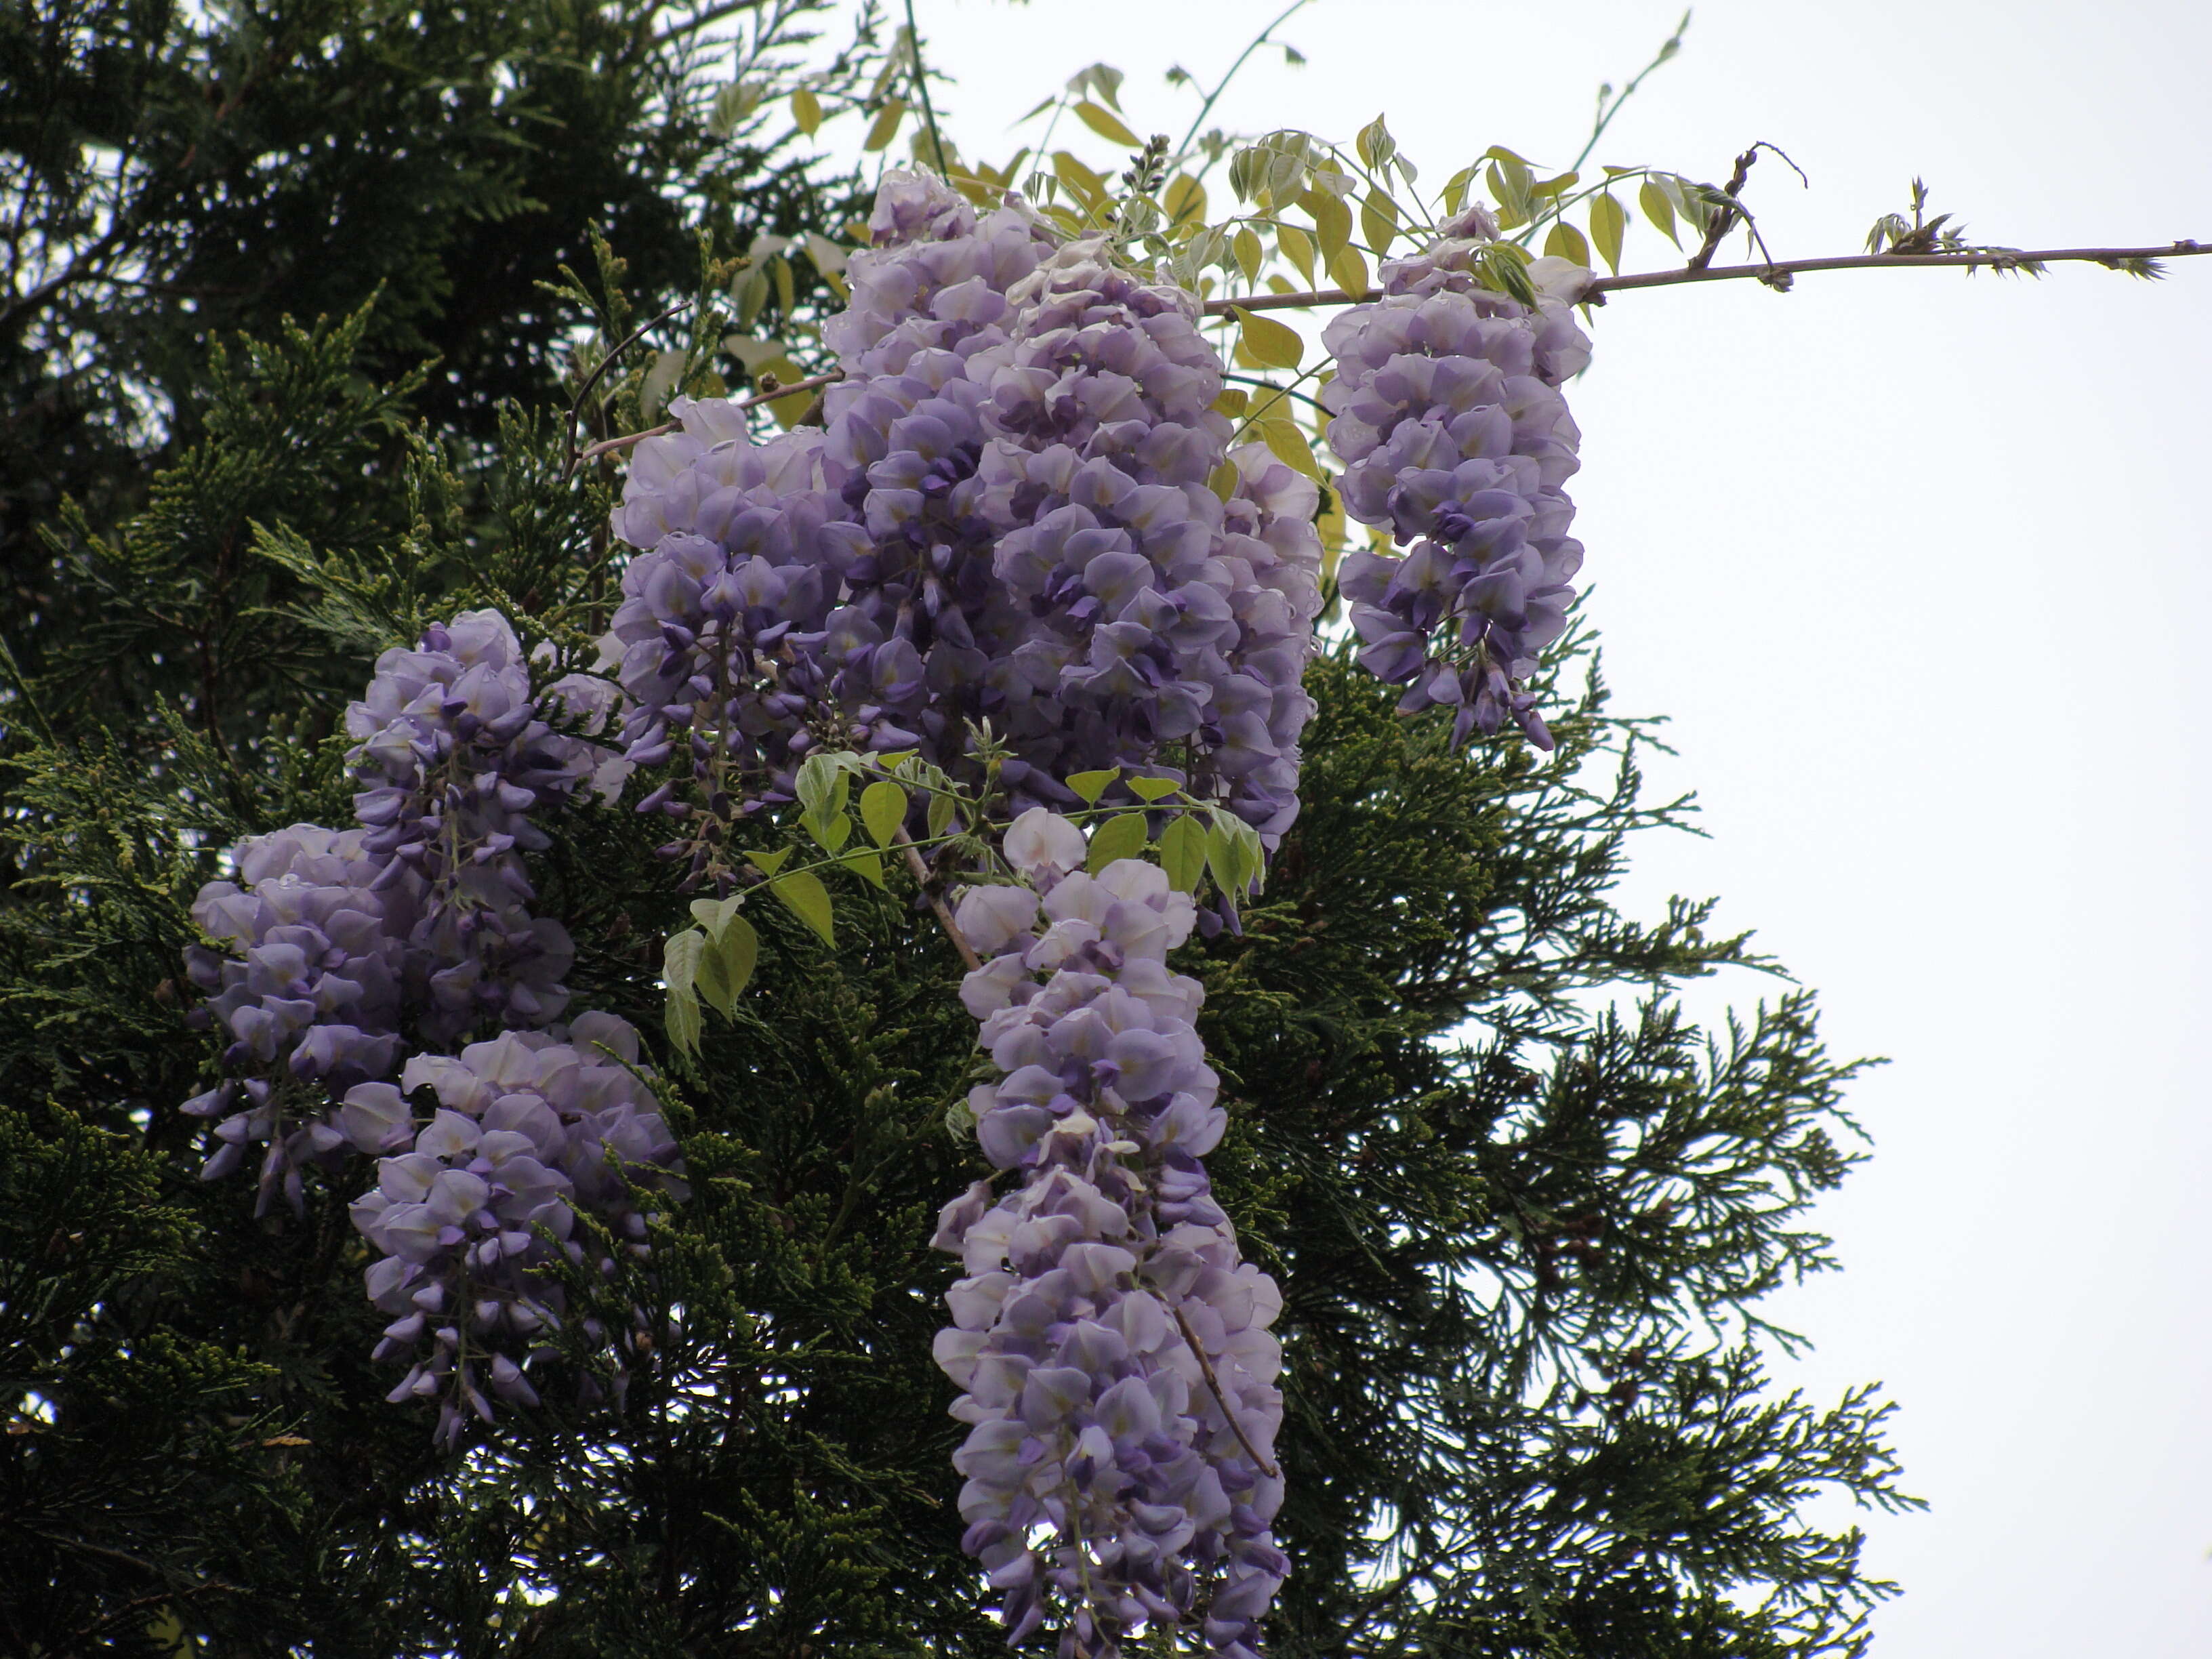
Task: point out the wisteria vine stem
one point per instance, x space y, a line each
1769 272
1229 1411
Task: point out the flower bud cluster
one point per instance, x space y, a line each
1015 514
309 991
1455 439
533 1130
1119 1372
453 756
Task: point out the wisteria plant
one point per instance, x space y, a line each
991 724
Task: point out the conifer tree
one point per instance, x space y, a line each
1520 1209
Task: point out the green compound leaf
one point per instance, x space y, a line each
1123 836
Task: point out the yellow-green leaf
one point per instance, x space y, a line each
681 1017
807 110
680 962
1375 145
866 863
1273 344
1223 480
1089 786
768 863
1182 852
1331 224
1350 271
1565 242
1608 225
680 958
728 966
886 125
1246 247
1069 168
1456 187
805 897
1185 200
1378 222
1298 248
1100 121
1224 857
1658 210
941 810
831 833
1152 789
713 915
883 809
1123 836
1289 445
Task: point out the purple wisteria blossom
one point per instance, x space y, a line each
309 994
453 758
1015 513
1455 439
1119 1372
342 944
532 1130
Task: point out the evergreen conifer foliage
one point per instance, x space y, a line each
1520 1209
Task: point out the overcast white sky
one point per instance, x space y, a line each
1916 564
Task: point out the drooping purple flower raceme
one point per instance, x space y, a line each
1030 477
746 552
453 755
1455 439
342 943
1119 1372
309 992
532 1130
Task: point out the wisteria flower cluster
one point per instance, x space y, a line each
452 758
330 935
1449 418
1023 509
1119 1372
532 1131
309 991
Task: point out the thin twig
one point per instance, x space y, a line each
1724 218
921 89
1782 270
606 363
1667 49
921 872
1227 1410
1213 97
608 445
